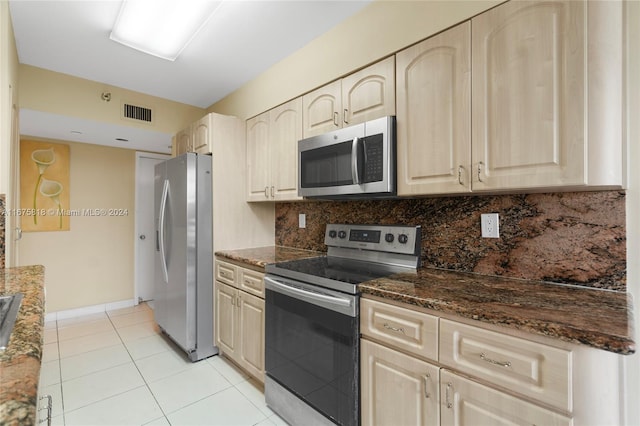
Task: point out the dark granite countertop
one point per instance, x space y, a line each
261 256
20 361
599 318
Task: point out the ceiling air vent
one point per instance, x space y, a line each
137 113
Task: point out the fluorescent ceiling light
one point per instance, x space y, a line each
161 27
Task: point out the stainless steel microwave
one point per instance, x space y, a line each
353 162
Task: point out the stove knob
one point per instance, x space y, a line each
342 234
332 233
402 238
388 238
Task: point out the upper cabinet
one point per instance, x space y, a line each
272 153
199 136
545 110
361 96
434 114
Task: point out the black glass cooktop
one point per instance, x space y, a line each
333 272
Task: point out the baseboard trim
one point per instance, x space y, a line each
87 310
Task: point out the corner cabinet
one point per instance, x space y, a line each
364 95
543 107
239 316
418 368
272 153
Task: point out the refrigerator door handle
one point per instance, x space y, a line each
163 207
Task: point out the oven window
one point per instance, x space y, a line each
327 166
314 352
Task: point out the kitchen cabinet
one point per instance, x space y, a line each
239 316
542 107
272 153
397 389
476 373
201 135
434 114
465 402
356 98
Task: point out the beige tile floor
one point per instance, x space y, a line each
115 368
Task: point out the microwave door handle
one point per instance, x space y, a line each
354 162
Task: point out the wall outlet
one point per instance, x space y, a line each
490 223
302 220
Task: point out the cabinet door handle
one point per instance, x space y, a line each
392 328
426 378
335 119
480 164
344 117
266 192
460 170
233 301
272 191
446 395
483 357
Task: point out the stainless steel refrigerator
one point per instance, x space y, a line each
183 300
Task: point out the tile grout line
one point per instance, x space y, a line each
139 372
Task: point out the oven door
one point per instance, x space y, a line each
312 349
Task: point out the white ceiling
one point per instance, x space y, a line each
241 40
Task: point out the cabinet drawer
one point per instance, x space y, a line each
226 272
537 371
401 328
465 402
251 282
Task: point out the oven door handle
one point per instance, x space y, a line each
334 303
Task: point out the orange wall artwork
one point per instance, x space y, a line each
44 186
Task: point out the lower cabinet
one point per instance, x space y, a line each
397 389
465 402
239 319
418 368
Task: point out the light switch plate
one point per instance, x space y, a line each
302 220
490 223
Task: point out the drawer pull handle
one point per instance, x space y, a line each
446 395
460 169
494 362
397 330
426 386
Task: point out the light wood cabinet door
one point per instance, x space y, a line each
397 389
202 135
225 317
464 402
251 334
285 130
322 109
369 93
528 96
434 114
258 158
183 141
364 95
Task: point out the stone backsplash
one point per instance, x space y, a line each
573 238
2 228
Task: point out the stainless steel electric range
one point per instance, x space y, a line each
312 343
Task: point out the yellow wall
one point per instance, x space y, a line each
377 31
49 91
93 262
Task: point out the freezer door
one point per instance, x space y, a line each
176 251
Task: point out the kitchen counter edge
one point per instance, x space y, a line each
20 361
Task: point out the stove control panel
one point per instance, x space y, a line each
384 238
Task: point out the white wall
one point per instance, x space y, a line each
632 375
